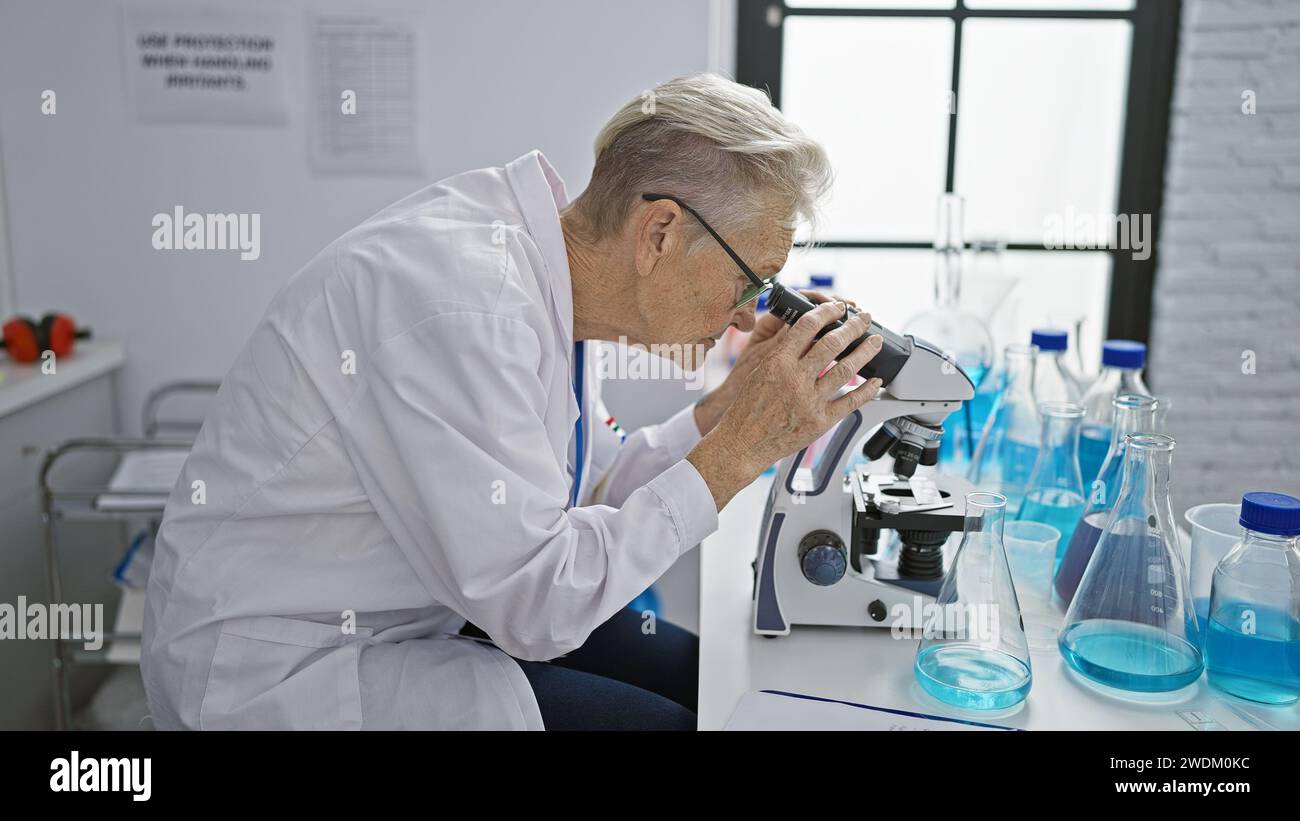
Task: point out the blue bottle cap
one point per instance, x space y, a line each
1123 353
1050 339
1275 513
762 302
822 280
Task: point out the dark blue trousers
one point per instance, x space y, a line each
622 678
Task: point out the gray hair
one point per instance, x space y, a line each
719 145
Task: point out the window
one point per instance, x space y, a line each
1048 116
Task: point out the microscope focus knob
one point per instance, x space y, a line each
822 558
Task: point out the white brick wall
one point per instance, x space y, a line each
1229 273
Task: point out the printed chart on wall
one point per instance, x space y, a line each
204 65
366 116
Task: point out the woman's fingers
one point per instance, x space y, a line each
855 398
805 328
844 370
831 346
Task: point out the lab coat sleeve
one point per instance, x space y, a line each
450 442
620 468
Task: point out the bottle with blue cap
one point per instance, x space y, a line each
1122 361
1053 381
1252 645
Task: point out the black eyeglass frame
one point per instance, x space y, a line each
758 285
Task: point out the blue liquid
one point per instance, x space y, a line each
1202 607
1094 443
1078 554
1052 506
1016 463
1130 656
971 677
1261 667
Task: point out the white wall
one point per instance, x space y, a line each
496 78
1229 275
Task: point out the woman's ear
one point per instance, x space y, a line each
657 234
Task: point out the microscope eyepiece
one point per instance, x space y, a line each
790 305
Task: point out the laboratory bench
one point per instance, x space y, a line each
867 666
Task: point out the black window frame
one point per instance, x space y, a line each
1153 52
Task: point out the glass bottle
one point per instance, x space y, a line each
1131 624
1132 414
973 653
1053 381
1008 445
1055 494
960 334
1122 361
1252 645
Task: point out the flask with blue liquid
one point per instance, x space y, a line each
1008 444
1131 624
1252 644
1055 491
973 653
1132 414
1122 361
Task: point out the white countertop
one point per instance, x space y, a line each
25 384
868 666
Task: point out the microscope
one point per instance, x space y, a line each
823 558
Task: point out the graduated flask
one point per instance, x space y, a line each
1132 414
974 654
1055 494
1131 624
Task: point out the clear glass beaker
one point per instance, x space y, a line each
1055 491
973 653
960 334
1131 624
1008 445
1252 644
1215 529
1132 414
1031 551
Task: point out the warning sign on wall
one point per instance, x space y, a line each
205 65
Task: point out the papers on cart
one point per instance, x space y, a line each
143 480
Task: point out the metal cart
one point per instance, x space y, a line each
102 456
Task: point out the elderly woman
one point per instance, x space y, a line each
405 510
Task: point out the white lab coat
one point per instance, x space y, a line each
394 442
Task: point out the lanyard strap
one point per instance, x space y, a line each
579 367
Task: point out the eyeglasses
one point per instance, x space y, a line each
756 286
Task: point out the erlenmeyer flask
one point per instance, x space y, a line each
1132 414
1055 494
1131 624
973 653
1008 446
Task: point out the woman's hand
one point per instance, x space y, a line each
790 398
759 346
